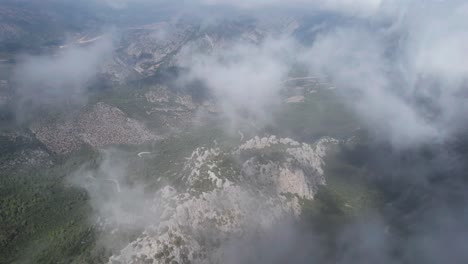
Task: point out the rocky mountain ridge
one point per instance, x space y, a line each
225 194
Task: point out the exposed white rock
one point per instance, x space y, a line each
294 181
190 229
200 157
261 143
191 224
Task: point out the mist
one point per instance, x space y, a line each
116 200
244 78
58 79
401 68
406 77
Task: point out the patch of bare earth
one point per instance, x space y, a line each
58 138
107 125
100 126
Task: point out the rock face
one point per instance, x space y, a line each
292 167
224 194
145 49
101 126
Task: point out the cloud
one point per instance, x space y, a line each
60 78
245 78
355 60
401 70
284 242
115 199
404 81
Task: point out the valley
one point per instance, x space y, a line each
208 132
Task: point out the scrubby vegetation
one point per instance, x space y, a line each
42 219
321 114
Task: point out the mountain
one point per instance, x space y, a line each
222 132
131 157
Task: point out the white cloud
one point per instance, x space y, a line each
356 62
410 95
55 79
245 78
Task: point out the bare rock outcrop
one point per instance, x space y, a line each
219 199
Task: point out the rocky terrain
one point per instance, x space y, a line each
252 131
225 193
178 194
100 126
146 48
